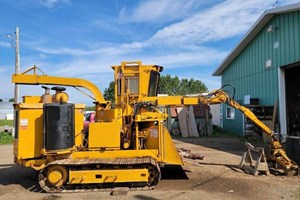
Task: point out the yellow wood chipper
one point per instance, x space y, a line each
125 146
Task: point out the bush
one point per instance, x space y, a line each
217 130
6 138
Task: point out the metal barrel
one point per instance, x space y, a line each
59 126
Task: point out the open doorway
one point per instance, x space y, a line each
292 88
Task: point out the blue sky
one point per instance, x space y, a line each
83 39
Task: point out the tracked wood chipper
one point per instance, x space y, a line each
125 146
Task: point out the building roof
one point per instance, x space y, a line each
254 30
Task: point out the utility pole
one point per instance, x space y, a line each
17 65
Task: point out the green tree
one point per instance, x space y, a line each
11 100
175 86
109 93
90 108
167 85
1 100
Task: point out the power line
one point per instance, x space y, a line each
7 35
12 36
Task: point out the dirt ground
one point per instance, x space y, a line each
215 177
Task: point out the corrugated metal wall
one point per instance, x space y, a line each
248 72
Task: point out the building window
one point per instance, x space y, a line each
230 113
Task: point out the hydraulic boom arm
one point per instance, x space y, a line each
277 153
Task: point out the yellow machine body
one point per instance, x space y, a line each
124 146
108 176
108 139
29 142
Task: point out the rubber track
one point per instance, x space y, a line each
95 187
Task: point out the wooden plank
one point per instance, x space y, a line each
248 169
201 127
182 119
206 122
192 126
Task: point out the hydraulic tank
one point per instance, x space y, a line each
59 126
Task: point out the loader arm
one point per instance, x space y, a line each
277 152
35 79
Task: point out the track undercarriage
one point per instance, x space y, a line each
79 175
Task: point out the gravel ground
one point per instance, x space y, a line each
215 177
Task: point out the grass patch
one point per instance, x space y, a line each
6 138
4 122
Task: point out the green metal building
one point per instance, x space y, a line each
265 66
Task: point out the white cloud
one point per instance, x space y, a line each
221 21
94 64
5 44
53 3
66 51
112 49
5 69
224 20
157 11
179 45
6 89
202 57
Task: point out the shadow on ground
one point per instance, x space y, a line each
144 197
235 168
173 173
13 174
